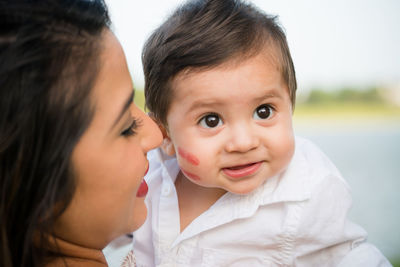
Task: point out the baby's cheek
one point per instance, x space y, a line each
189 157
190 175
286 152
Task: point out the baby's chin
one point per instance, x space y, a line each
243 189
243 192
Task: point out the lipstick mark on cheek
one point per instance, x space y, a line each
191 175
188 156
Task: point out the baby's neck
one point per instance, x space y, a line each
194 199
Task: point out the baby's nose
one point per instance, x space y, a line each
242 139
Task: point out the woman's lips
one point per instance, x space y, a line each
237 172
143 188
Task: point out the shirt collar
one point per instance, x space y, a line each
287 186
291 185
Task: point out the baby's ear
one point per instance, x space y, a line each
167 146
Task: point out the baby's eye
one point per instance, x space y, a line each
210 121
263 112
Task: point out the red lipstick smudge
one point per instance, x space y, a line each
191 175
188 156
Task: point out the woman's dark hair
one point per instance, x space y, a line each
203 34
49 61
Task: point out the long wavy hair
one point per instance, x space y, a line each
49 61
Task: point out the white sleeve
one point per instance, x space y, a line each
325 235
364 255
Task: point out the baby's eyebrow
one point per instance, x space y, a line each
269 95
204 104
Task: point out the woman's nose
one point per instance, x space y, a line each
151 135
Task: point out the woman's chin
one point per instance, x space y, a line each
139 214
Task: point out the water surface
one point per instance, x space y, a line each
368 156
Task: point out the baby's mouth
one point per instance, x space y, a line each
240 166
240 171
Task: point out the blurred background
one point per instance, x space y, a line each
347 59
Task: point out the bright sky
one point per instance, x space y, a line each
333 43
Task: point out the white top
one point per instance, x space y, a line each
298 218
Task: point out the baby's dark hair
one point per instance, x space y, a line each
202 34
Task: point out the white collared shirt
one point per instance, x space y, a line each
298 218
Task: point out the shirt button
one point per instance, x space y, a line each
166 190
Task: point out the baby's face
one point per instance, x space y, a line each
231 126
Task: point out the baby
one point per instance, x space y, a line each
232 185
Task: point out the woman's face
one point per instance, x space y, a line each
109 161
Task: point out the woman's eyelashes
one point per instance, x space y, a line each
131 130
263 112
210 121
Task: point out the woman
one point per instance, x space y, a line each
72 144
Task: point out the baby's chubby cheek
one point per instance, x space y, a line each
286 153
189 157
190 175
192 160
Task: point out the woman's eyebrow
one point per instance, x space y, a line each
124 108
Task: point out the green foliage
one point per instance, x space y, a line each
139 99
345 95
395 263
347 104
319 96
